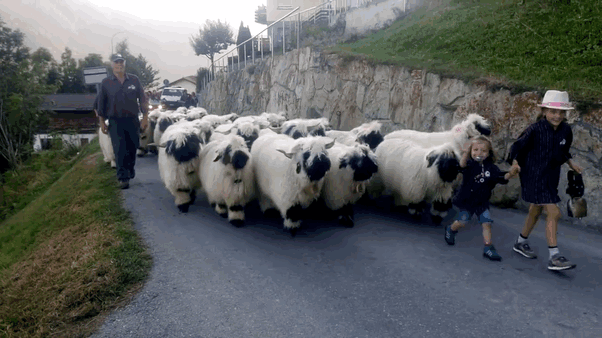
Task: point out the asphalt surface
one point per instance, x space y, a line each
388 276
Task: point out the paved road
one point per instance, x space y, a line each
386 277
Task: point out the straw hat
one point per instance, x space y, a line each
556 100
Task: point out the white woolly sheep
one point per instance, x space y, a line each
275 119
106 147
163 122
289 174
368 133
297 128
345 182
248 131
459 134
216 120
414 174
179 163
196 113
226 175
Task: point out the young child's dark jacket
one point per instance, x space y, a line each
478 180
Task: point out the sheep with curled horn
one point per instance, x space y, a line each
248 131
289 174
227 177
216 120
345 182
179 163
459 134
106 146
416 175
368 133
297 128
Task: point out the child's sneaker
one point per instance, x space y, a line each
524 249
490 252
558 262
450 236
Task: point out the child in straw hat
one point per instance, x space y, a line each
538 154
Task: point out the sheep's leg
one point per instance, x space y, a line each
141 152
113 164
346 216
192 196
222 209
292 218
236 215
439 211
182 197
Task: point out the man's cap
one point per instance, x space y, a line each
117 57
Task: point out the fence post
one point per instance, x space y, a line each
260 45
298 29
245 55
253 49
272 46
283 35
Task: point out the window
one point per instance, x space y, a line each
83 141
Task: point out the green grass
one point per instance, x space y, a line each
536 45
70 255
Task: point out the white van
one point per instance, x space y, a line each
171 97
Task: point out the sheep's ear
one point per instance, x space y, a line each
289 155
218 157
276 129
330 145
343 163
431 158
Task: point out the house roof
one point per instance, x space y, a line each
75 102
191 79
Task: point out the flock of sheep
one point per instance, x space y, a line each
289 164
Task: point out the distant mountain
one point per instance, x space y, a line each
86 28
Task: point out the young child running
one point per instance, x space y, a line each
480 176
539 152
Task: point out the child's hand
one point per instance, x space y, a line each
575 167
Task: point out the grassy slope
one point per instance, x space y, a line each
69 255
537 45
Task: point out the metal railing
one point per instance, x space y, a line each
287 37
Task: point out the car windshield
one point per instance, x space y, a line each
171 92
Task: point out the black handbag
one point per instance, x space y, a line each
576 205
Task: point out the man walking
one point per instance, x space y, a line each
120 99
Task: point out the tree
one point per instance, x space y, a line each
138 66
23 84
244 33
201 75
72 77
212 39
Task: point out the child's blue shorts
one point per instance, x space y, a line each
464 216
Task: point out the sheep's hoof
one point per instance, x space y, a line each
346 220
184 207
436 219
237 222
192 196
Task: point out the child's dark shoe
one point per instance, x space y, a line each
450 235
490 252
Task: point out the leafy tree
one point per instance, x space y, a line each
138 66
23 84
47 66
72 76
201 75
244 33
212 39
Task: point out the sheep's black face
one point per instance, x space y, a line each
483 129
363 166
164 123
152 125
249 139
318 167
373 139
318 131
239 159
185 151
207 136
297 134
448 167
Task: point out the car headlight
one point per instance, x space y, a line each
150 106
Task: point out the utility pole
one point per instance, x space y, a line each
112 42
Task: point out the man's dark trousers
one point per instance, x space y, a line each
125 137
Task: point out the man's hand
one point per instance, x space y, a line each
515 167
144 122
103 126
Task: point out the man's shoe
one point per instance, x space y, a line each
450 236
491 253
124 184
558 262
132 174
524 249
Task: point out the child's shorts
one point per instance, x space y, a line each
464 216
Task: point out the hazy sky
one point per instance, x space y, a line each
231 11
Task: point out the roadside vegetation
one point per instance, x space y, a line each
68 253
522 43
